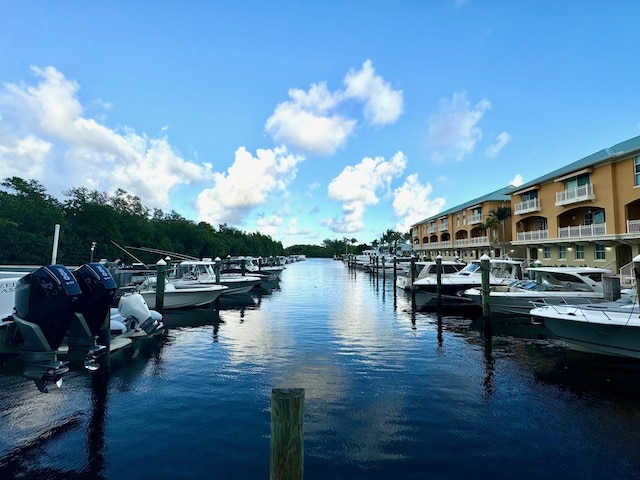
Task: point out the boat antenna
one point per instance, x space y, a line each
129 253
179 256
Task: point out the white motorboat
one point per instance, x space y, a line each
607 328
551 285
191 273
368 257
425 290
195 296
404 278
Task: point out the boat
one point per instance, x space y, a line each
607 328
190 273
251 266
551 285
195 296
452 286
367 258
45 302
133 318
404 276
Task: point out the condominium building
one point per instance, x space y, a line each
465 232
585 213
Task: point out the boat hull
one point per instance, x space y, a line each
184 297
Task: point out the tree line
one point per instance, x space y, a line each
99 225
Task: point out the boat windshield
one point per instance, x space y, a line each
469 269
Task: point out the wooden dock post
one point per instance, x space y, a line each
611 288
384 270
287 434
395 270
439 282
486 291
161 273
636 269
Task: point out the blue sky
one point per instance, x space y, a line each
311 120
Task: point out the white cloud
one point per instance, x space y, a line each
269 225
412 203
310 122
501 142
358 186
382 104
246 184
45 127
517 181
453 130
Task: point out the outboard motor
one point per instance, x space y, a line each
98 291
45 302
135 308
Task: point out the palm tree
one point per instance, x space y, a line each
498 217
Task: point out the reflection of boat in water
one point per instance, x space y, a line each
236 302
196 317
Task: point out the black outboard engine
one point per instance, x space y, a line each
98 291
45 302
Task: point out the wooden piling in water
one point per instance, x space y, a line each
287 434
104 339
486 290
611 288
439 282
636 269
161 273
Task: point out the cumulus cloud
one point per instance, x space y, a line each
411 203
359 186
247 183
269 225
453 130
517 181
501 142
382 104
311 123
45 127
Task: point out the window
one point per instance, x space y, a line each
600 253
636 170
579 252
578 181
547 253
591 218
562 252
530 195
541 223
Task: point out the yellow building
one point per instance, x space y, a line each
466 232
585 213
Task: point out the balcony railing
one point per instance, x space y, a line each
431 229
633 226
477 218
526 206
444 226
579 194
533 235
444 244
593 230
479 240
461 242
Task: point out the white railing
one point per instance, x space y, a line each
526 206
633 226
462 242
444 244
627 276
431 229
533 235
479 240
579 194
477 218
593 230
444 226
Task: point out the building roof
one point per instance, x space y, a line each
602 156
502 195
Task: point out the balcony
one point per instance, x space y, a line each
633 226
431 229
593 230
473 219
527 206
479 240
462 242
533 235
444 244
575 195
444 226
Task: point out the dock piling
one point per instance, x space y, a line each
287 434
161 273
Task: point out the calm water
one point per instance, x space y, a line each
388 395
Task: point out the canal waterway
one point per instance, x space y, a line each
390 394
